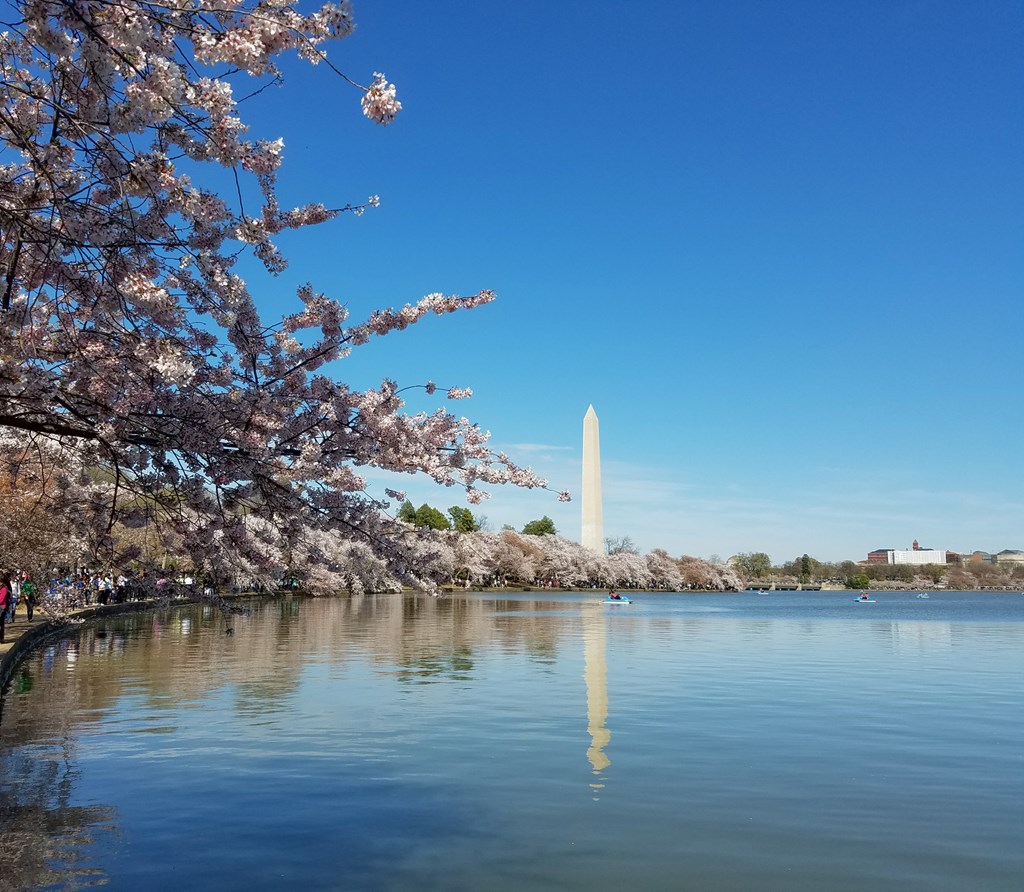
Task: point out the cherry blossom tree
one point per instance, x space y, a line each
515 558
33 476
564 562
128 340
697 573
664 570
627 569
473 556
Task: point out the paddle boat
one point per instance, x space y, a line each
622 599
922 595
864 599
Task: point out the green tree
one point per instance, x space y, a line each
407 512
752 565
543 527
858 580
463 520
427 516
845 569
805 568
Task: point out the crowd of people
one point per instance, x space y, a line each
65 592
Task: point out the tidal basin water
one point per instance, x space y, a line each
785 741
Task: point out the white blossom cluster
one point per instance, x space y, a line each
379 102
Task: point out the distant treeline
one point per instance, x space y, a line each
975 573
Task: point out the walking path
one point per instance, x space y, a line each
14 632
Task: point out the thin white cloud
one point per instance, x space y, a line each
663 507
535 447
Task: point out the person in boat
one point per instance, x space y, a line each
614 596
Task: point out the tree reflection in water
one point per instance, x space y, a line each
44 840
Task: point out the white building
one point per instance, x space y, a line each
917 556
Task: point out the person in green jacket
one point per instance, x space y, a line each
28 592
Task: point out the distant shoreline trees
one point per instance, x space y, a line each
757 567
513 558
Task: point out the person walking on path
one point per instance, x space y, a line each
5 600
14 594
28 592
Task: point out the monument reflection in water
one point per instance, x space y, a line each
789 741
596 674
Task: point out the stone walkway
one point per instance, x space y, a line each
14 632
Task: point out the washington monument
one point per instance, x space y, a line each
592 536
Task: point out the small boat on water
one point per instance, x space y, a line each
922 595
864 599
617 601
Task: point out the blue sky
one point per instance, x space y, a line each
778 246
